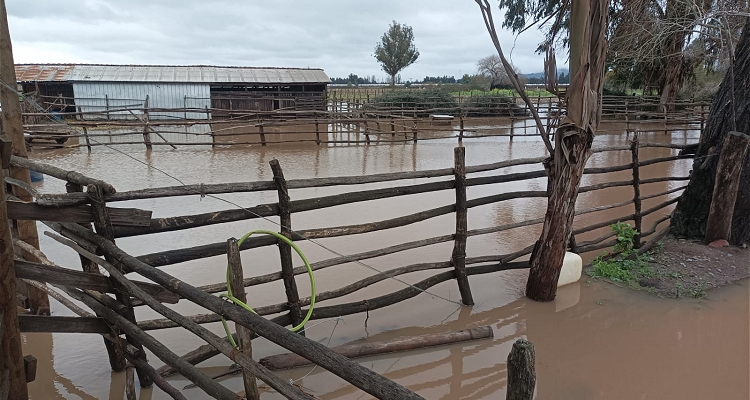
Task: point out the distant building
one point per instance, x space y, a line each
114 88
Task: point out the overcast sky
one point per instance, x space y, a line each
336 35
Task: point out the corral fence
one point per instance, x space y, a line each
70 215
351 116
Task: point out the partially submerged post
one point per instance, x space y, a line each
731 160
521 372
459 246
244 343
637 216
285 251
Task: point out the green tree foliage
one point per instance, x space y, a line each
655 45
396 49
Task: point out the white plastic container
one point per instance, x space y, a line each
571 269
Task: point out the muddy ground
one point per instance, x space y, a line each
687 268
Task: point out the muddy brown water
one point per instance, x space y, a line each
595 341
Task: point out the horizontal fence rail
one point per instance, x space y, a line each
93 205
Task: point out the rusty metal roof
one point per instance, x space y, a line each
166 73
42 73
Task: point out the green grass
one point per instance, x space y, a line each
627 266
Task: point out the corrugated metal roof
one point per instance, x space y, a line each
166 73
42 73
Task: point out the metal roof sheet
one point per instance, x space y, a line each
165 73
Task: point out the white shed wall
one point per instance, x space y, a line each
100 96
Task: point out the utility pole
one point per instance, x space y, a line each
13 126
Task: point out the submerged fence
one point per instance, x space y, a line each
71 214
349 117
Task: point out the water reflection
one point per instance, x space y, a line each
573 335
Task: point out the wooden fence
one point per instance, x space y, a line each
346 120
71 214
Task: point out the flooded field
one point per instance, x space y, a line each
594 342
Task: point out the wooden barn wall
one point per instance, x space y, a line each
90 96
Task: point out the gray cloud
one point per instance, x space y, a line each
338 36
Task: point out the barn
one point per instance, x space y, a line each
218 90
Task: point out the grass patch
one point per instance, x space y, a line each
626 266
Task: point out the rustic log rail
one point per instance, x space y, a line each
86 242
133 123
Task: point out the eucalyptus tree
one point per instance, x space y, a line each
573 136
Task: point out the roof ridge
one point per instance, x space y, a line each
161 65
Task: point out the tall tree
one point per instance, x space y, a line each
653 43
396 50
491 67
730 111
573 138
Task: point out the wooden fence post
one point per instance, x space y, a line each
731 161
459 243
638 218
317 132
414 131
129 383
106 105
285 251
115 353
262 135
86 136
244 337
12 379
461 131
521 371
103 225
12 122
146 131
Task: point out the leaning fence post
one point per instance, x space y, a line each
521 372
285 251
244 338
103 225
459 244
638 218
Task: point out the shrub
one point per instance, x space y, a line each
416 101
490 104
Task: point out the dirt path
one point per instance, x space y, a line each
686 268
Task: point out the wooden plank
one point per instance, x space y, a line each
78 214
85 280
58 324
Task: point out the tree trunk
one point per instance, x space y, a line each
691 214
393 79
677 12
573 140
562 190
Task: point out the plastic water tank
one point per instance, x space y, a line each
571 269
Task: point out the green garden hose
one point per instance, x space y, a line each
228 295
